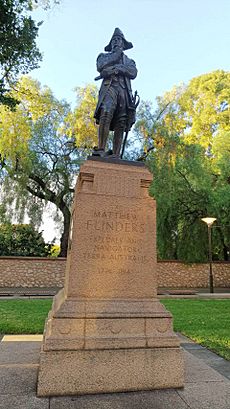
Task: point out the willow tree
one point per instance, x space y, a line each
186 143
41 150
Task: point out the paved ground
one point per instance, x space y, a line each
45 292
207 383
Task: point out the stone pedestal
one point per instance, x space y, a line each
107 331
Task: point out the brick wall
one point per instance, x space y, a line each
49 272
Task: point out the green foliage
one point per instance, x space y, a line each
18 50
42 145
204 321
22 240
182 185
187 145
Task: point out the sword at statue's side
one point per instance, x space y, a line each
124 143
135 103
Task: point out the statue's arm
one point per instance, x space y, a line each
108 64
106 60
128 70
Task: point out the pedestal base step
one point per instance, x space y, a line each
105 371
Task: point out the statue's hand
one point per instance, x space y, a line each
120 68
108 72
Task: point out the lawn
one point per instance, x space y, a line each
205 321
23 316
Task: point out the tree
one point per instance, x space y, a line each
18 50
181 186
186 141
22 240
41 151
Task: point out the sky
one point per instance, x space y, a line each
174 41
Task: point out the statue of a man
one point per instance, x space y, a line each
115 109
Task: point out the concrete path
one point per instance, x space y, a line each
45 292
207 383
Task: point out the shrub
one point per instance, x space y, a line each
22 240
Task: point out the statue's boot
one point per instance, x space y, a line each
118 138
103 133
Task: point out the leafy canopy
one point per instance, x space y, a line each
187 145
41 148
19 53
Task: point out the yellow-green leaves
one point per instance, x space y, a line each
81 124
205 107
15 132
17 127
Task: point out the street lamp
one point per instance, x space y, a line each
209 221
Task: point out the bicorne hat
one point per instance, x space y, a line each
118 32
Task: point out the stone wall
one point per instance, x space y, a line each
49 272
32 272
175 274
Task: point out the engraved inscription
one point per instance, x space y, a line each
115 221
116 236
115 226
108 271
115 215
116 257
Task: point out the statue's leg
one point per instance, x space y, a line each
104 125
120 122
118 137
106 115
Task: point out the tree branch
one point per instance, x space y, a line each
186 180
48 194
144 156
35 193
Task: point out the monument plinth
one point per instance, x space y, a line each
107 331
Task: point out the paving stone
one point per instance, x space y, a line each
19 352
213 360
222 368
23 402
196 370
209 395
18 380
162 399
205 388
183 338
190 346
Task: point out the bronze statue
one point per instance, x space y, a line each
116 105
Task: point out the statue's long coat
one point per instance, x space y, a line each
108 60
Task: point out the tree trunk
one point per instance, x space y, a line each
65 235
224 247
226 252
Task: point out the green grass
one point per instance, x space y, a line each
205 321
23 316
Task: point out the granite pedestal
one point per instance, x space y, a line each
107 331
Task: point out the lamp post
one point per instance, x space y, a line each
209 221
